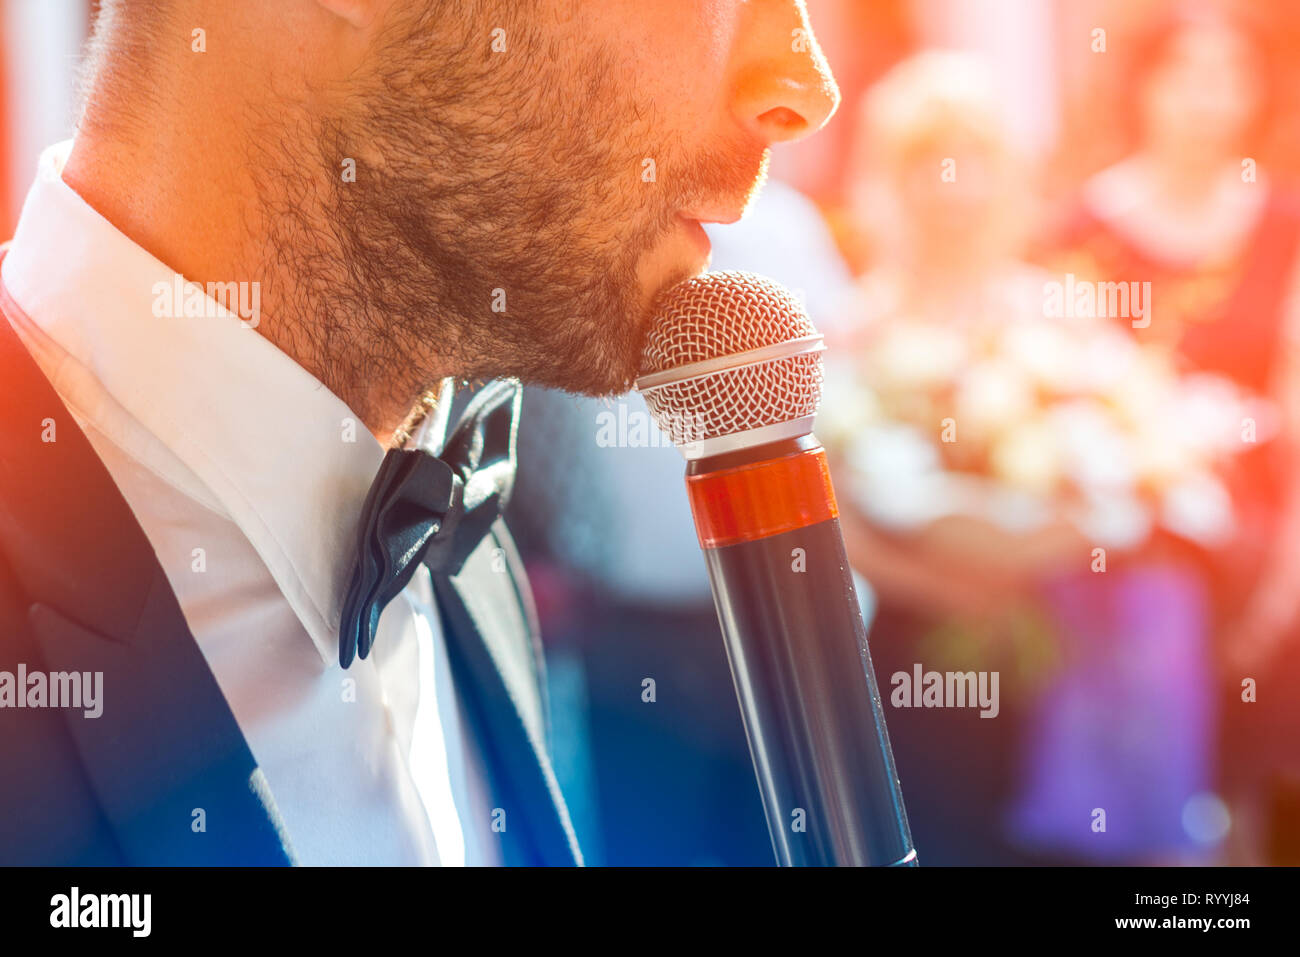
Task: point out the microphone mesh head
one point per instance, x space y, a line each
721 314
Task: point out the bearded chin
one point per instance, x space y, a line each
591 346
578 322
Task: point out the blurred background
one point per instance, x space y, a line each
1055 248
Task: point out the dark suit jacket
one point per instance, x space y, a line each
81 590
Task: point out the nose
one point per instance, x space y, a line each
783 88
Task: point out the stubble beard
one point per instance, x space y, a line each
484 239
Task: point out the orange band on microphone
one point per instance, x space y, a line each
755 501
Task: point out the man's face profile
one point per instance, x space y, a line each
525 177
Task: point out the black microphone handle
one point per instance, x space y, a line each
797 646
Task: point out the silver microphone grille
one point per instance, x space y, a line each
729 352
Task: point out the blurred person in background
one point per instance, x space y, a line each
1216 234
937 193
993 454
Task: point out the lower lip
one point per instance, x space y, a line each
698 235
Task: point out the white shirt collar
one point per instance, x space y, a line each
288 461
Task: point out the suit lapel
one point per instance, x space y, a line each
167 762
169 766
491 636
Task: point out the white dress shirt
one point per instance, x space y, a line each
248 476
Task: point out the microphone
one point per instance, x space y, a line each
732 373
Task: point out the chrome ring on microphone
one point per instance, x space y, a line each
739 360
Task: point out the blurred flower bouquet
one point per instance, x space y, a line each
1022 420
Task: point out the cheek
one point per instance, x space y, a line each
673 58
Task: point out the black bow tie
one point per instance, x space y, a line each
430 508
